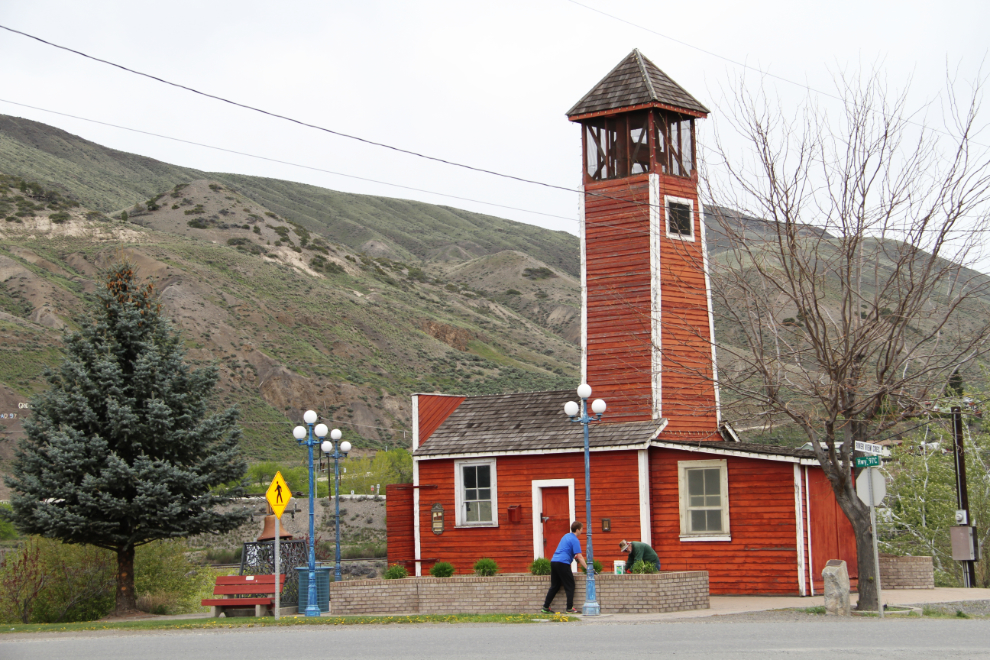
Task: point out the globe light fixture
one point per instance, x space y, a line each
336 453
305 435
310 416
320 430
591 606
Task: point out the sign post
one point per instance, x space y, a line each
871 488
278 497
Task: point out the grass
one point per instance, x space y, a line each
252 622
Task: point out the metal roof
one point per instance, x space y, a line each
527 422
635 81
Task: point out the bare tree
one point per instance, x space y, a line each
847 281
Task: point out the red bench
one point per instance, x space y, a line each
243 592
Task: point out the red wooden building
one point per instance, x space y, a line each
503 476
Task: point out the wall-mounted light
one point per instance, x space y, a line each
606 524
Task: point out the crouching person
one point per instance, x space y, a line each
639 552
568 550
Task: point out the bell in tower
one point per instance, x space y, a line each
647 334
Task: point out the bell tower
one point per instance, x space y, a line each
647 329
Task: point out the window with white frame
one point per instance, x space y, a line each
477 502
680 218
703 488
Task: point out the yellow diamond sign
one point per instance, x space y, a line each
278 494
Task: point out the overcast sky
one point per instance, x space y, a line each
481 83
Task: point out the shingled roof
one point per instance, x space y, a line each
744 449
527 422
635 81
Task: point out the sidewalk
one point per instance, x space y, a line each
722 605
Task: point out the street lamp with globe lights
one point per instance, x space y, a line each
305 435
572 410
338 451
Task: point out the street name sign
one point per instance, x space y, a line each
868 448
278 495
867 461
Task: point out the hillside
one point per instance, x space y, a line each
293 319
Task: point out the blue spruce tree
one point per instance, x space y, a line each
122 449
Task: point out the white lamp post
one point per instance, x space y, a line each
336 452
571 409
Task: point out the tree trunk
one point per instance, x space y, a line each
126 598
859 516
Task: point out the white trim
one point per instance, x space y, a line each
667 199
582 234
459 493
718 451
731 431
656 296
645 521
531 452
537 485
711 313
807 496
415 422
799 519
416 549
682 495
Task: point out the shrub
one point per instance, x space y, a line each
513 292
395 572
7 530
643 568
599 567
164 574
442 569
59 218
540 566
485 567
197 224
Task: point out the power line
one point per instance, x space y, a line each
282 162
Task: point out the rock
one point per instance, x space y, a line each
836 588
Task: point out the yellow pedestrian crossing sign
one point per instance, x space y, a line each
278 495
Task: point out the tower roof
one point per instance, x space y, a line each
635 81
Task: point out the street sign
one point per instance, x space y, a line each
867 461
278 495
868 448
863 486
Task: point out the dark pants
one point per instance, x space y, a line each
560 576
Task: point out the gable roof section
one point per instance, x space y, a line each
528 422
744 450
635 81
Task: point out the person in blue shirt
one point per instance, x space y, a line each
568 550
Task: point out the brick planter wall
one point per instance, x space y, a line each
906 572
511 594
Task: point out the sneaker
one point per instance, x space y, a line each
547 610
573 611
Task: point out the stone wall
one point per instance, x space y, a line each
906 572
662 592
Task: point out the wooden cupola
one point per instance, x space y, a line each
637 120
647 340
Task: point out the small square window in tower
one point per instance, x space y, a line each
679 222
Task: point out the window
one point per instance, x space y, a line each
680 218
704 500
477 502
675 143
617 146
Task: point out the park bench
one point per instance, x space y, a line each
244 592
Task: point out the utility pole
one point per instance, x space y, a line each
962 495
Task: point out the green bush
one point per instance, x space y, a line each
442 569
643 568
224 555
485 567
395 572
540 566
7 530
59 218
599 567
165 581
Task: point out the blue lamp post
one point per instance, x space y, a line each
306 436
338 451
572 410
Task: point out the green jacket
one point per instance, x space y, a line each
641 552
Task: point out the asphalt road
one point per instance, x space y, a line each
812 639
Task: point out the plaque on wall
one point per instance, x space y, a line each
438 518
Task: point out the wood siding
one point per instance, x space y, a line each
832 535
433 410
613 482
761 558
399 524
